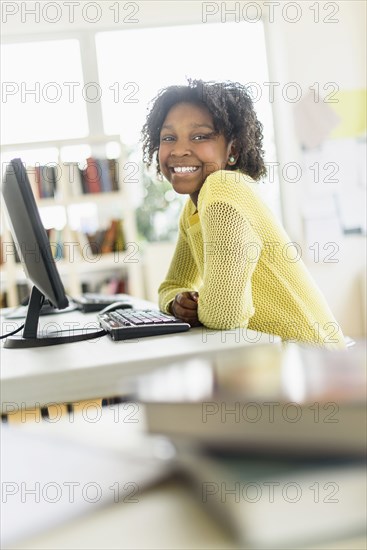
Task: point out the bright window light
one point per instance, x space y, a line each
146 60
53 216
42 92
149 59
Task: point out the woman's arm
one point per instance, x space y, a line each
232 249
182 276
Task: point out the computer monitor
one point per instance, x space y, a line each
35 253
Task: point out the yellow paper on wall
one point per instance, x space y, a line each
351 108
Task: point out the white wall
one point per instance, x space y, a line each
306 52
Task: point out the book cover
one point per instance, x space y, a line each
113 167
269 503
47 181
95 241
291 401
73 179
92 176
109 238
105 177
120 242
38 181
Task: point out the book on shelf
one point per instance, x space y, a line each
92 176
3 299
73 179
95 241
43 181
103 241
113 167
22 292
292 401
45 177
104 171
109 238
120 242
113 238
100 175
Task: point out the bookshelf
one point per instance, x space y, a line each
79 267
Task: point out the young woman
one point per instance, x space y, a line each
234 265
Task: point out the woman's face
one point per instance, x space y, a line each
190 149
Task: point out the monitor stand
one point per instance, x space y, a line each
32 339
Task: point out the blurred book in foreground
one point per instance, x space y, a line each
272 439
270 503
295 401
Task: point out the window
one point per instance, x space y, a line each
42 92
133 65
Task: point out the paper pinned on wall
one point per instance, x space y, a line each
336 183
333 134
321 224
314 120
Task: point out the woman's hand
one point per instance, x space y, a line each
185 307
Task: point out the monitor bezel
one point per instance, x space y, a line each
56 293
31 338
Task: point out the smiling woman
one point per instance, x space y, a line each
224 275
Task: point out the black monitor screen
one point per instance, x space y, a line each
30 236
34 250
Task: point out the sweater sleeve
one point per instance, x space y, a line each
231 251
182 274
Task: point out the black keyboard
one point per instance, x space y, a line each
137 323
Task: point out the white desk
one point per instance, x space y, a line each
99 368
165 516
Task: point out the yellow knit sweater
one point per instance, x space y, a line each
245 268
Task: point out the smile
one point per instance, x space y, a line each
184 169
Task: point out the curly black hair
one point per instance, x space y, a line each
231 107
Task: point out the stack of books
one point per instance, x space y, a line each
99 176
272 440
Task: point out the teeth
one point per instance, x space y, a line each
183 169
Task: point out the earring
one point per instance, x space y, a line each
231 159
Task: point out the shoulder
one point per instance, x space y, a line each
226 186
